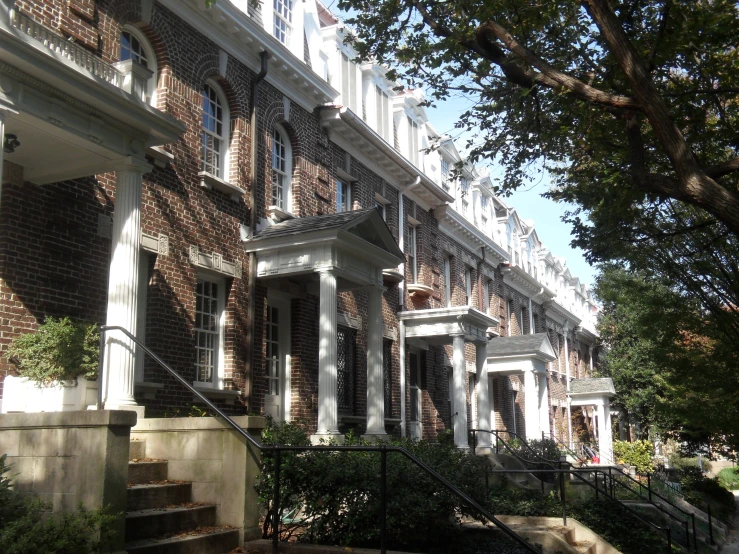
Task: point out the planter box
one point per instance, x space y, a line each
20 394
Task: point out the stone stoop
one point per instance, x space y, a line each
161 517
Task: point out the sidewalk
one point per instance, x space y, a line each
732 542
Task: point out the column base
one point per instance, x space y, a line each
316 439
376 437
140 410
484 450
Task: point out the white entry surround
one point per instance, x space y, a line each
597 393
344 251
526 356
457 325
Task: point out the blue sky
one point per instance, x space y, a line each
547 214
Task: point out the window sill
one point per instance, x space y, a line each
278 214
212 182
211 392
392 276
419 290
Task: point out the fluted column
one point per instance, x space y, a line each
483 400
123 282
531 404
375 377
605 439
328 419
459 397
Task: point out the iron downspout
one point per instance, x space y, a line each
252 260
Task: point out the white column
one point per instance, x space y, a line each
567 375
328 419
590 351
605 438
459 397
531 318
375 377
483 401
123 282
544 405
531 404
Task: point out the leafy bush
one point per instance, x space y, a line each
729 478
699 490
60 349
27 527
680 463
334 497
637 453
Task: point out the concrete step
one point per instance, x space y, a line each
216 541
585 547
144 472
157 495
159 522
137 450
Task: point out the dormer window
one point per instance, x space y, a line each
445 174
283 20
383 113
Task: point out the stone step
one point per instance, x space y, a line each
585 547
144 472
214 542
157 495
158 522
137 450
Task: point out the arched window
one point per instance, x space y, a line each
134 46
214 135
281 170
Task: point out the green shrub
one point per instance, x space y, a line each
60 349
637 453
27 527
334 497
729 478
679 462
700 490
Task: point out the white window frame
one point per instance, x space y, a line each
217 377
285 202
448 280
348 82
412 250
445 174
468 285
219 170
343 196
282 20
150 58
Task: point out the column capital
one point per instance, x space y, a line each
455 335
132 164
326 271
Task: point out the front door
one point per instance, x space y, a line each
416 426
277 343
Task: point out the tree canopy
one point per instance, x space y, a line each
672 366
626 103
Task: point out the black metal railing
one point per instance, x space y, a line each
277 450
643 492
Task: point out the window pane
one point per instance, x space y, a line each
206 329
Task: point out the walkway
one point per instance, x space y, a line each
732 543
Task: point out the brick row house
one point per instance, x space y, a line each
278 223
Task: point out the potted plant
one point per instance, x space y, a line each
57 368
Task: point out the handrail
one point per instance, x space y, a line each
560 443
515 454
277 449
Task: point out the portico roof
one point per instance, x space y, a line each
439 324
596 386
522 346
357 244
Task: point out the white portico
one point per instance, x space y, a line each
527 356
338 252
66 114
457 325
597 393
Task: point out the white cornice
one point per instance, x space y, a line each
559 313
343 122
244 38
516 278
462 230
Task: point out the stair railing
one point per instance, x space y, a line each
277 450
613 481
